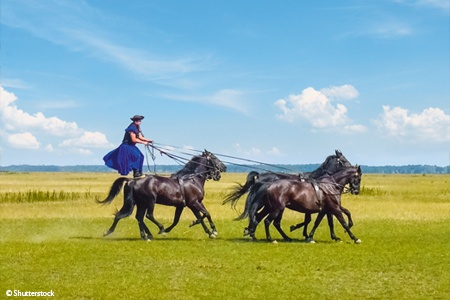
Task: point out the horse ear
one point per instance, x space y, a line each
338 152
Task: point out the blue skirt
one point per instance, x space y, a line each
124 159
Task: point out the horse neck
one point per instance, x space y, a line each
323 168
196 166
343 177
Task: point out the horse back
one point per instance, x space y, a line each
293 194
160 189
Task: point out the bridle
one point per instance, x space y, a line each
214 169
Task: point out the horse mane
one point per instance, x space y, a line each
321 170
190 167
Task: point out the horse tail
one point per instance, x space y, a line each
240 189
114 190
255 200
128 201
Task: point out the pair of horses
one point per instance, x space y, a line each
322 196
184 188
316 192
331 165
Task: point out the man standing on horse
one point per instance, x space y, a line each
127 157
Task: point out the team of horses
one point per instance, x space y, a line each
268 195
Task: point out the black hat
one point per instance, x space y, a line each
137 118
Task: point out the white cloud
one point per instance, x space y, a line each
230 98
88 140
354 129
316 108
81 151
343 92
432 124
71 25
274 151
250 152
23 130
440 4
391 29
254 151
15 119
23 141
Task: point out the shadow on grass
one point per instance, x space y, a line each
159 239
128 239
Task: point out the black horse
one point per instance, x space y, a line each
255 180
323 197
184 188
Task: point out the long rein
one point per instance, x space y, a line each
178 159
231 157
345 189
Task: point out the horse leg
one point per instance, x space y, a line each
144 231
113 226
310 238
331 226
275 214
150 216
306 222
178 211
125 211
277 224
251 229
267 222
341 219
349 216
197 212
211 223
202 214
254 220
207 215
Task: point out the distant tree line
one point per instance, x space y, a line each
409 169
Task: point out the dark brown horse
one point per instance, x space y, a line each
323 197
184 188
255 180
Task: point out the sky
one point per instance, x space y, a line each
281 82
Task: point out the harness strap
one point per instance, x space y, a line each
317 189
180 182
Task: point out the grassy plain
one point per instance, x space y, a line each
51 239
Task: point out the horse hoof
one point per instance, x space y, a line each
212 236
311 242
148 240
163 233
215 233
358 241
246 232
107 232
274 242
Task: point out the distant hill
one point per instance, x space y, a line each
409 169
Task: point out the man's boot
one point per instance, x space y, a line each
137 174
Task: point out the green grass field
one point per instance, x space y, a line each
51 239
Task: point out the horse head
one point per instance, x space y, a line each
349 176
331 165
341 159
215 165
355 180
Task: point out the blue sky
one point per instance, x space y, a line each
273 81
